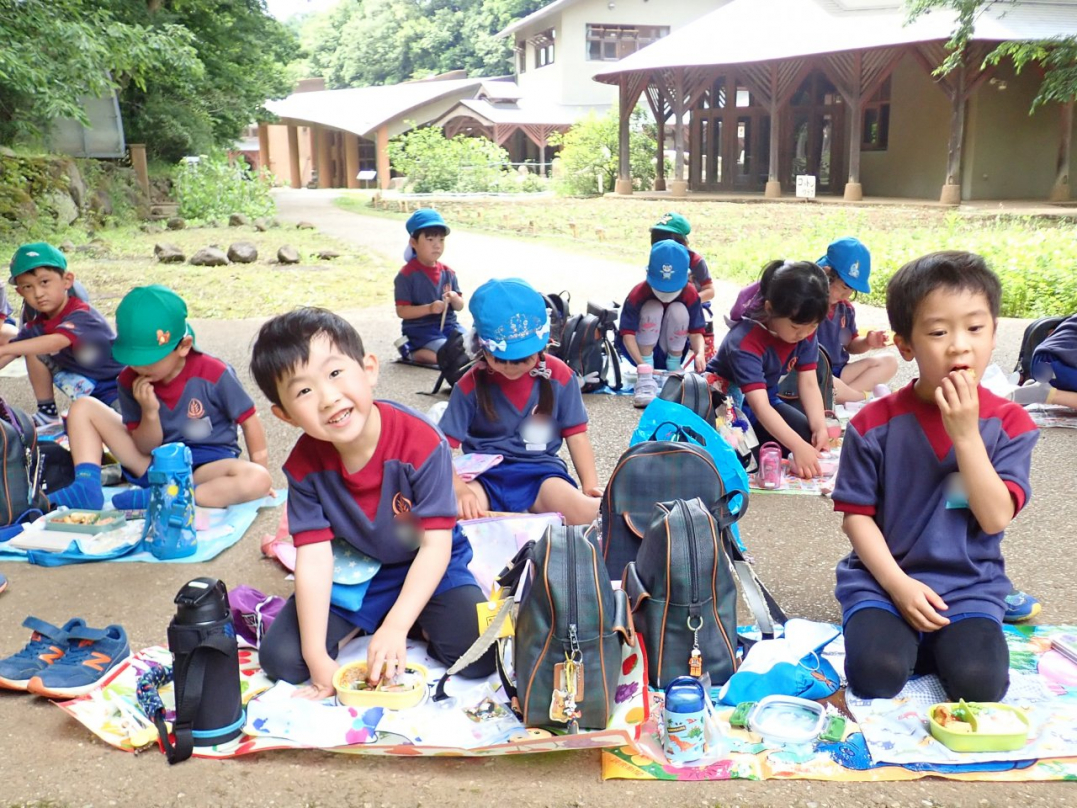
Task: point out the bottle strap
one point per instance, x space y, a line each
188 702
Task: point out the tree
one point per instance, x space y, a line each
1057 56
589 153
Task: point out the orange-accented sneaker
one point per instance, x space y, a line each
47 645
91 654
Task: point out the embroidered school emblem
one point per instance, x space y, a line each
195 409
401 505
163 337
667 271
854 269
792 364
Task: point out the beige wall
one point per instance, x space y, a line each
914 165
1010 154
278 153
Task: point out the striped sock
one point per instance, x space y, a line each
85 492
132 499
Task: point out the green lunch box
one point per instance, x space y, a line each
994 727
90 522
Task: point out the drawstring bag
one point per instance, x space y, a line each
791 665
169 529
253 612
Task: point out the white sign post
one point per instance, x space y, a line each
805 186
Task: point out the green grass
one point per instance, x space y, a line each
1036 258
123 258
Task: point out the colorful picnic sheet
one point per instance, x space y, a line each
887 739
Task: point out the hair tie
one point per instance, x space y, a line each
540 370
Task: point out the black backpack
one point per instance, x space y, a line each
558 307
692 391
21 482
587 349
789 393
1035 333
453 362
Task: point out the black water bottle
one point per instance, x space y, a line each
202 638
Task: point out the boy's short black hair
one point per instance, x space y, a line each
61 272
436 230
283 344
955 270
665 235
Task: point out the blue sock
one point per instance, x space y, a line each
132 499
85 492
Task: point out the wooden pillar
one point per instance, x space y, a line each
679 186
854 192
951 191
295 177
351 159
773 189
138 163
263 146
382 152
1061 190
660 149
323 158
624 163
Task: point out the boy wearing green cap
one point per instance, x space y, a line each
427 292
674 227
170 393
65 341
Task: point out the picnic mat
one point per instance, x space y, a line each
277 721
888 738
1048 415
218 529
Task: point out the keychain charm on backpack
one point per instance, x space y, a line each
695 659
169 530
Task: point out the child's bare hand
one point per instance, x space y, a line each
321 679
144 394
593 491
804 461
877 339
437 307
919 604
700 362
959 404
820 438
454 299
467 505
386 654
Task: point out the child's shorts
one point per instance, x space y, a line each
200 456
75 385
429 337
513 485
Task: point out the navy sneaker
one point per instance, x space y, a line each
91 654
47 645
1020 606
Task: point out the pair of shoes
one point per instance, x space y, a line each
1020 606
62 663
1032 392
646 387
42 420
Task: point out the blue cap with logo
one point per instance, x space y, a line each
667 270
511 318
851 260
424 218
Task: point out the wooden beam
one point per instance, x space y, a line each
853 192
295 178
775 130
263 146
381 151
630 88
1061 190
351 159
678 127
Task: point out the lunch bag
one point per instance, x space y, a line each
682 592
21 483
692 391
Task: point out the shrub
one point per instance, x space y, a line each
215 186
589 150
462 164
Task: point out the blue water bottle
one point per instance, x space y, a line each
169 530
685 716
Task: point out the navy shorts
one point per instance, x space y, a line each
424 336
513 485
1065 376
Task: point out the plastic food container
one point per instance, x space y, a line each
405 690
788 720
992 727
85 521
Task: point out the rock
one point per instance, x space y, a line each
242 252
169 253
176 223
261 225
327 255
67 246
288 254
208 257
101 203
6 152
305 226
238 220
273 222
149 227
76 186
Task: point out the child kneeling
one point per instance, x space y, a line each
375 476
169 393
929 479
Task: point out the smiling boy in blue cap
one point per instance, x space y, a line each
426 291
847 264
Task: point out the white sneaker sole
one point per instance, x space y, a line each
38 688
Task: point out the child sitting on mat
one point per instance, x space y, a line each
521 403
1053 369
377 476
170 393
929 478
427 292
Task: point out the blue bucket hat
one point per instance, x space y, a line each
851 260
510 318
667 270
424 218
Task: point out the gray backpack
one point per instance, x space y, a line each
20 486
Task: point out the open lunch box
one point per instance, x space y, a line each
77 520
978 727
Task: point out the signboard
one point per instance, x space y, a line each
805 186
366 175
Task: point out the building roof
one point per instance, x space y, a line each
362 110
534 17
758 30
520 114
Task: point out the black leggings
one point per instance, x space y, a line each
792 416
449 621
882 651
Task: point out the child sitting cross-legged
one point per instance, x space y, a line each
377 476
66 342
169 393
929 479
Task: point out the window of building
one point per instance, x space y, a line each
544 47
876 133
610 43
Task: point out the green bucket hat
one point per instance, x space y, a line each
39 254
150 322
673 223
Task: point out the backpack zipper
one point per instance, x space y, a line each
573 644
693 562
